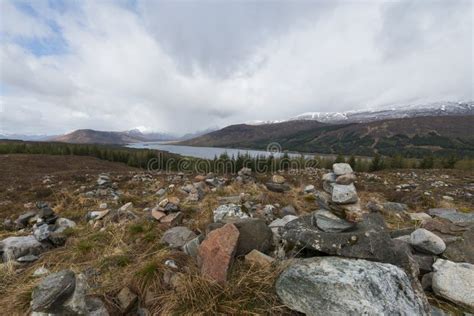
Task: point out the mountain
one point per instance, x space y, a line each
414 136
89 136
245 135
406 111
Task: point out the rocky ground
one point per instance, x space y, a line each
82 236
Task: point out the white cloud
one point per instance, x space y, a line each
124 69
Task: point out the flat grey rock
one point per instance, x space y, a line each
454 282
452 215
12 248
330 223
177 237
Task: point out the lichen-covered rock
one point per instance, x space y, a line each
228 212
339 286
344 194
53 291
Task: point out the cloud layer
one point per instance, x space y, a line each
185 66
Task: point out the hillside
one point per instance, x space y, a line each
89 136
415 137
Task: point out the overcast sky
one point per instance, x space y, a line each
181 66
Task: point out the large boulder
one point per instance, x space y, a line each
15 247
339 286
216 252
344 194
253 234
177 237
425 241
369 239
454 282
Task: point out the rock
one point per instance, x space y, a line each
278 179
228 213
427 281
76 304
425 262
330 223
452 215
425 241
53 291
342 168
97 215
346 179
95 307
329 179
245 172
171 207
157 214
172 219
23 220
454 282
258 258
40 272
191 247
253 234
177 237
126 207
338 286
288 210
277 187
45 212
309 189
392 207
12 248
58 239
281 222
216 252
62 224
126 299
27 258
41 232
419 217
344 194
351 212
461 250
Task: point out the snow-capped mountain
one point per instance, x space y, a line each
404 111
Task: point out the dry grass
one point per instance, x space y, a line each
249 291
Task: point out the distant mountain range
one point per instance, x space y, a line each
370 115
89 136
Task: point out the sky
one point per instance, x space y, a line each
184 66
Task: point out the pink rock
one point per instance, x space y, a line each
216 252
